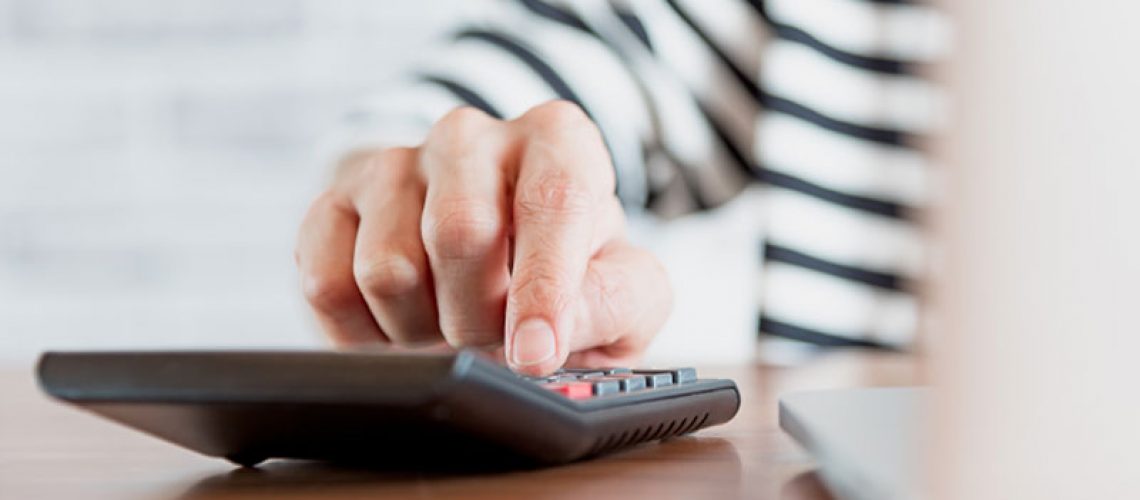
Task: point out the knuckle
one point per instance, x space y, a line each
386 276
556 127
559 117
466 141
329 203
375 167
461 122
329 199
555 194
462 229
326 293
396 154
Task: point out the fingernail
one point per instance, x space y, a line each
533 343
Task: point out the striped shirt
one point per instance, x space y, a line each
819 101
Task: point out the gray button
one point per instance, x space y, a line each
581 372
684 375
606 386
660 379
630 383
678 375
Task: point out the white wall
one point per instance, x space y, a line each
155 157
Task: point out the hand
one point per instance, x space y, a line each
489 233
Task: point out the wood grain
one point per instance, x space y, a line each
50 451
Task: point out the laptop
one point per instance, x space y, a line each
867 442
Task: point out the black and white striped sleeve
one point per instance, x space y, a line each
598 54
846 104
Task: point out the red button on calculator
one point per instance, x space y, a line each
572 390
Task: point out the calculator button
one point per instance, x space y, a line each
633 383
596 372
606 386
629 383
678 375
659 379
581 372
572 390
684 375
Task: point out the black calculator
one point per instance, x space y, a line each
249 406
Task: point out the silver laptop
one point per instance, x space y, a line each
867 442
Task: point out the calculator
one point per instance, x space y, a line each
363 407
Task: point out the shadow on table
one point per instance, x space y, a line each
680 467
805 486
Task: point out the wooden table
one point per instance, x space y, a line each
51 451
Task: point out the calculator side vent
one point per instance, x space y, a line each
651 432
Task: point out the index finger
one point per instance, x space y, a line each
564 178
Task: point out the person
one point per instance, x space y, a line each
484 202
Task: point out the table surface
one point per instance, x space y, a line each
49 451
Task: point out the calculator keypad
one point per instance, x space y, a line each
580 383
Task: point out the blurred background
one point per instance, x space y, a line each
157 156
